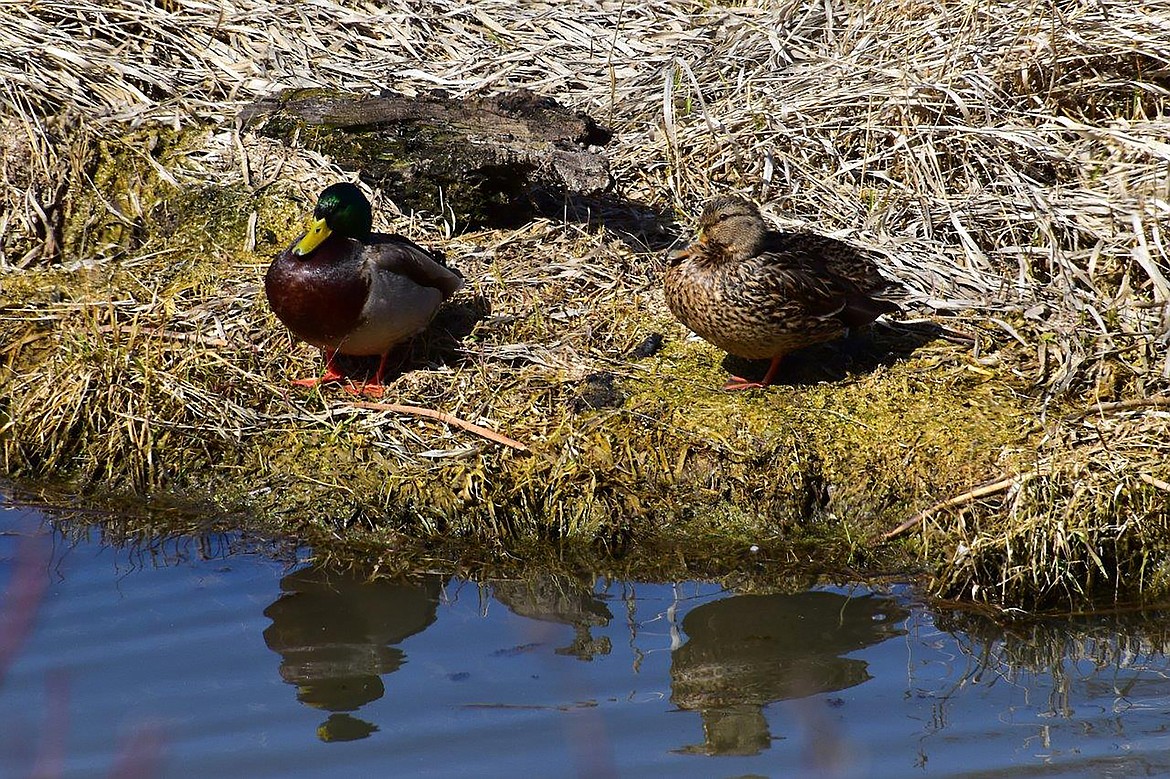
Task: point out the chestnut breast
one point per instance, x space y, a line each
319 297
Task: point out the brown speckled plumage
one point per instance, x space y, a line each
757 293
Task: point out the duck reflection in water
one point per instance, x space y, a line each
335 635
561 600
747 651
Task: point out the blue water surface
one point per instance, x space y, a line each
224 657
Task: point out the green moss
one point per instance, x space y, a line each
110 214
864 450
131 207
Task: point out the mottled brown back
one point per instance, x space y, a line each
795 290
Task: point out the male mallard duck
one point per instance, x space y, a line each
345 289
759 293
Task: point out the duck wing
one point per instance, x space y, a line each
832 259
403 257
828 278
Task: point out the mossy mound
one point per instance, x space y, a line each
159 369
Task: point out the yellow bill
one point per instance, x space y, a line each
318 232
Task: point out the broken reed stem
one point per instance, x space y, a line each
1157 401
160 333
958 500
1155 482
430 413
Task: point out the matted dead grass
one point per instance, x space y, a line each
1009 160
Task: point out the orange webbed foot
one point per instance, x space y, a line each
370 390
374 388
331 374
739 383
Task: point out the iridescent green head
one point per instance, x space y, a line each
341 209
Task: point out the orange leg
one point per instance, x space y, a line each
373 388
738 383
331 372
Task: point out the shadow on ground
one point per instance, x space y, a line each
859 353
439 346
643 228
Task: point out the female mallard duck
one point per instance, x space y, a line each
345 289
758 293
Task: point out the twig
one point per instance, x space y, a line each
169 334
430 413
1154 481
957 500
1156 401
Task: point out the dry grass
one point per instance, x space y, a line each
1009 160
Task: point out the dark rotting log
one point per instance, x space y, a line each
478 159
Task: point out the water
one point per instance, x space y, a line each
217 657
